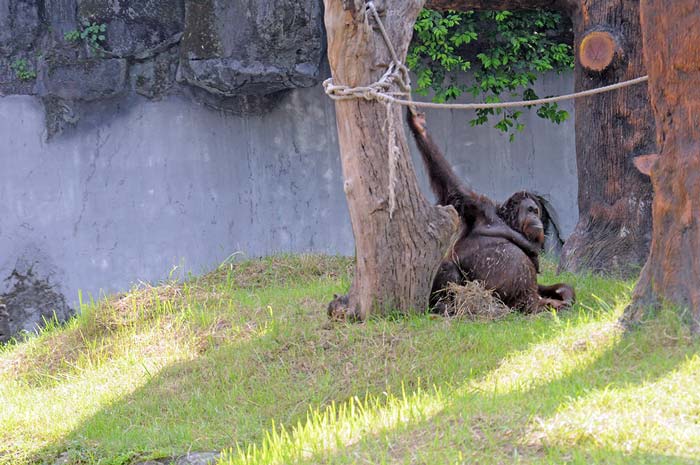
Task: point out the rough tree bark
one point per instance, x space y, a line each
671 37
614 200
397 255
614 228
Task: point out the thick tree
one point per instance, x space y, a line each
614 227
671 37
400 237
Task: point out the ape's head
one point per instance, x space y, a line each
523 212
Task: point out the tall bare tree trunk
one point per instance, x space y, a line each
614 228
671 37
397 254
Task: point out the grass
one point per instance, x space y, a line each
244 360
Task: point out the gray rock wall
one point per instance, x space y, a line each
141 187
234 55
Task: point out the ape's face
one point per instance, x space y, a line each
530 220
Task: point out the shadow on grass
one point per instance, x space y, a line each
479 426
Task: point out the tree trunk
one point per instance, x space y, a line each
397 251
614 228
671 37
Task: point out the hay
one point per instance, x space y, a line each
473 301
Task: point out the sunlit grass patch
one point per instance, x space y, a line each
574 349
661 415
40 409
655 407
337 427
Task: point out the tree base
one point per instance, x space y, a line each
605 247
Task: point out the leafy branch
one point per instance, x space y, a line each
505 51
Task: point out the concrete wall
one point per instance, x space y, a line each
139 187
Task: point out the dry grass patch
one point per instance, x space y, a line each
474 302
140 305
279 270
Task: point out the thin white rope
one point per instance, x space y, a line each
387 41
370 92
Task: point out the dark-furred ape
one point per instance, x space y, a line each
497 245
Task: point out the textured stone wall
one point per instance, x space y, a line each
234 55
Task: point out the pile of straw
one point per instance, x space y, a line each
474 301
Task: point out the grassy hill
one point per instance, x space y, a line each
244 360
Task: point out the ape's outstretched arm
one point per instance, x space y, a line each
449 190
445 184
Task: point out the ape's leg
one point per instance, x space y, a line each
556 296
448 272
560 291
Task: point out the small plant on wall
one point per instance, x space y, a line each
23 70
92 33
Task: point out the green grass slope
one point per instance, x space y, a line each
244 360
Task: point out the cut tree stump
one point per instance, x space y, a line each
597 50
